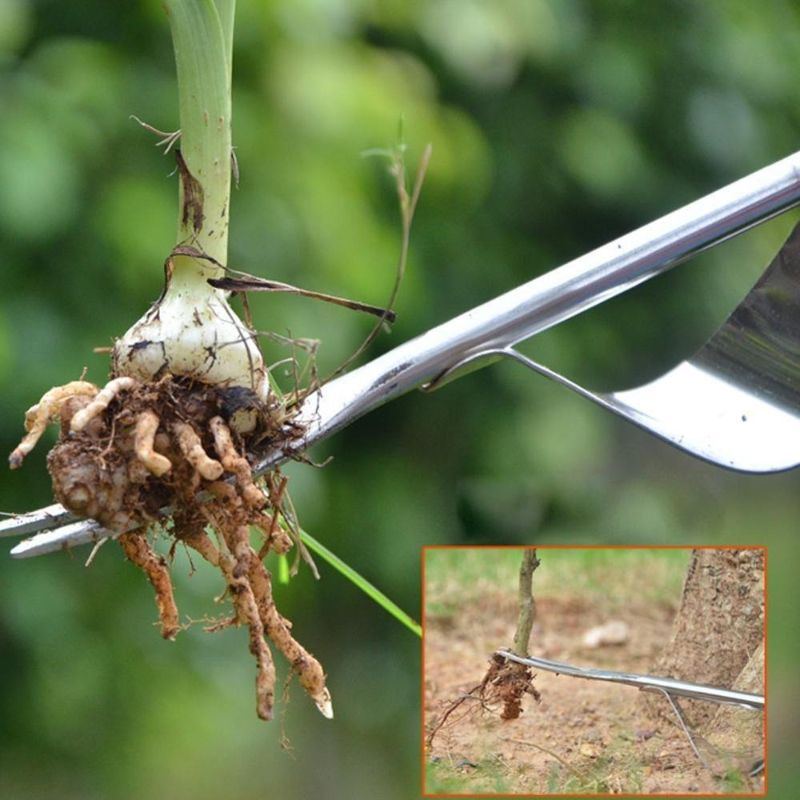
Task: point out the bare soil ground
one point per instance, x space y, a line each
584 736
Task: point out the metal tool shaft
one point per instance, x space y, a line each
651 683
500 323
553 297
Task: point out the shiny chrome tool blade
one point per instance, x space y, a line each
490 331
736 401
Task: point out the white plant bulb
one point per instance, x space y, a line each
192 331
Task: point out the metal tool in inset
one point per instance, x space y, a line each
671 688
650 683
735 403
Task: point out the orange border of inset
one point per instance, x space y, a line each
426 548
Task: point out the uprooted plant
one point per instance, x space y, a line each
505 682
191 403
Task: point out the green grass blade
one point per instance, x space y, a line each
283 570
361 582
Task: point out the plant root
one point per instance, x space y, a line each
308 670
508 682
100 403
235 464
138 550
192 448
131 449
47 410
247 612
505 682
144 444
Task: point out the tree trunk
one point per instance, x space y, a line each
718 627
737 735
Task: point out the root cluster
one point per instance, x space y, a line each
507 682
130 450
504 684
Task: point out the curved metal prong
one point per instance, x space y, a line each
34 521
736 401
676 707
83 531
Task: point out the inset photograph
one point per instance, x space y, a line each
594 670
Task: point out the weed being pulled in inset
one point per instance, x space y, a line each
506 682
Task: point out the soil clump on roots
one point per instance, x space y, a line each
131 450
504 684
507 682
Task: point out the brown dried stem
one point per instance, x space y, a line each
527 605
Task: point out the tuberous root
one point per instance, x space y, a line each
144 439
192 448
250 587
308 670
100 403
39 416
235 464
247 609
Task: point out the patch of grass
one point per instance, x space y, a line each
733 781
441 610
610 575
613 771
489 776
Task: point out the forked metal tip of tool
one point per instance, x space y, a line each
746 412
35 521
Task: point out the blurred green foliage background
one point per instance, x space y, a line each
556 126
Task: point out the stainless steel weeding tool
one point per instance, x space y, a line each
736 402
647 683
670 688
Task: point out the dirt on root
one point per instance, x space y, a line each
583 737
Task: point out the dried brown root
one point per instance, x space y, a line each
101 402
192 448
247 610
438 724
139 552
235 464
507 682
144 441
47 410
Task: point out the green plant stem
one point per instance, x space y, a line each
227 11
202 36
202 32
361 582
